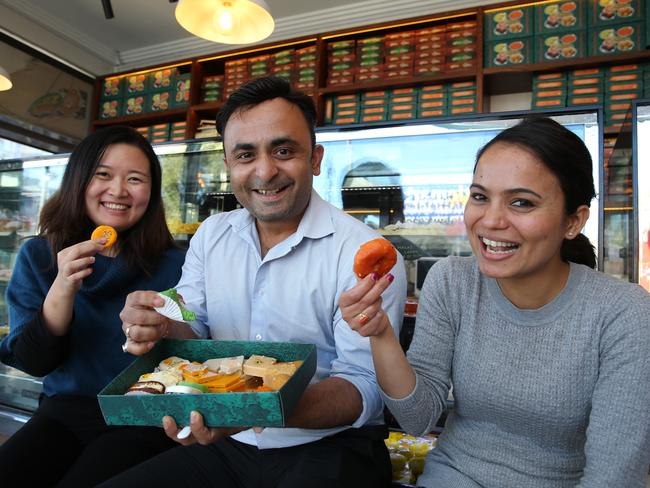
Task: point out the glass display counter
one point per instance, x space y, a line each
25 185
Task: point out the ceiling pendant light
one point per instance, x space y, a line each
5 81
226 21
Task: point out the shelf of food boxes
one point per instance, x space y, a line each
154 101
428 71
412 69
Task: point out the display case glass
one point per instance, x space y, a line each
411 182
642 191
24 186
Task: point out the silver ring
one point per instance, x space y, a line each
124 349
126 332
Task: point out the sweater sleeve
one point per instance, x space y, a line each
29 346
37 350
617 449
430 355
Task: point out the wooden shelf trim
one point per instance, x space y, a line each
448 76
571 63
148 117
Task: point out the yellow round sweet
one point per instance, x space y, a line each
105 231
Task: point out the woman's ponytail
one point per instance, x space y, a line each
579 250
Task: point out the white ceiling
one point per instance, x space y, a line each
145 32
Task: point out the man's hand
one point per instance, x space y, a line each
142 325
200 433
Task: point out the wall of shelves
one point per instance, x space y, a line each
497 80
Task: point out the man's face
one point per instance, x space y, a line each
271 162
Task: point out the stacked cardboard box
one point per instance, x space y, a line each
259 65
159 133
181 90
211 88
564 29
403 103
461 45
237 72
561 30
432 100
509 36
623 84
399 54
549 90
111 98
586 86
161 90
135 91
341 56
282 64
462 98
177 131
343 109
305 78
430 50
374 106
370 59
615 26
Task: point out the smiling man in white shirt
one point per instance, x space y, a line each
273 271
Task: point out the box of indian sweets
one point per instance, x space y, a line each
231 383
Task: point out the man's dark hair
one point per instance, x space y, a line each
261 90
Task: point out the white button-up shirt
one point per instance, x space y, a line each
291 295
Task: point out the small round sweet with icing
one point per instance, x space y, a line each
105 231
375 256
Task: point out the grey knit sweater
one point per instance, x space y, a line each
555 397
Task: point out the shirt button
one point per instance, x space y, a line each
261 292
258 337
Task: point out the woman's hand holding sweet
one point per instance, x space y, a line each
74 263
361 306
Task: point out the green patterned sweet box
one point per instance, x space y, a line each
243 409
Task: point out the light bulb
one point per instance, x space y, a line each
225 19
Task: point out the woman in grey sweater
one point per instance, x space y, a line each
549 359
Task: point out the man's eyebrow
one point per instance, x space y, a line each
246 146
283 140
509 191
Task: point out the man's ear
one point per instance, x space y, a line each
316 158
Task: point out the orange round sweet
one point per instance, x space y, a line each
376 256
105 231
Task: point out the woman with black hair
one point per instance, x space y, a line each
65 296
548 358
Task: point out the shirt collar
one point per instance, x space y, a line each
315 223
